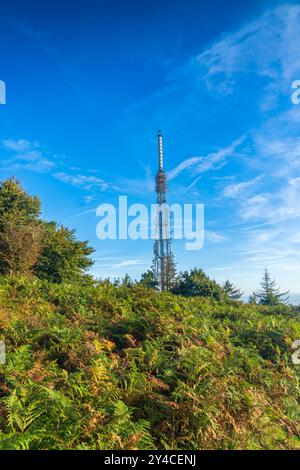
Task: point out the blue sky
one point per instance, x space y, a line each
88 87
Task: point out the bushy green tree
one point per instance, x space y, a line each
148 279
63 258
269 294
29 244
233 292
13 199
197 283
21 232
21 244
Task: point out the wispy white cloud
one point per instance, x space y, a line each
26 155
136 186
266 47
214 237
186 164
21 145
202 164
82 181
255 207
234 190
129 263
275 206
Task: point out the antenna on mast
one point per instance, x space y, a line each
160 150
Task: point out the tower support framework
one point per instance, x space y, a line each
164 265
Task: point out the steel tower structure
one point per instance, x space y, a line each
164 266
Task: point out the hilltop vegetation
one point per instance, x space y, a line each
96 365
101 367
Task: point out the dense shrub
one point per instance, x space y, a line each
197 283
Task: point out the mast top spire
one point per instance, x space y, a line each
160 150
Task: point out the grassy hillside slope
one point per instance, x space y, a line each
116 368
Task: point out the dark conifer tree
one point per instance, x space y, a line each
232 291
269 294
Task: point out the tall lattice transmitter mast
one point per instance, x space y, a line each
164 265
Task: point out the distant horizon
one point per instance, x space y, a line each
86 94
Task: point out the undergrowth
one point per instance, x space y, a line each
100 367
